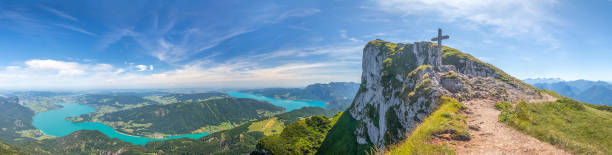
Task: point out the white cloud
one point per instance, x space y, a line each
12 67
510 18
141 67
61 67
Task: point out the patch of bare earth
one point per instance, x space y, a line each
488 136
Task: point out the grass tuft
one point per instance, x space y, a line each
503 105
444 120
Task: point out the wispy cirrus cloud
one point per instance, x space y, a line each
22 21
59 13
510 18
297 13
173 39
76 29
191 43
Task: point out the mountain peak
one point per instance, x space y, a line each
402 83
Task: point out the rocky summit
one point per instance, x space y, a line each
402 83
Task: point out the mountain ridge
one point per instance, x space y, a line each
594 92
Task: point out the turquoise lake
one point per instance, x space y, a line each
287 104
53 123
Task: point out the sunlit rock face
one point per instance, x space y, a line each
402 83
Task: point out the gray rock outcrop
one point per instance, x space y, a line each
401 85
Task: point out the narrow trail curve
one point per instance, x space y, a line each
494 137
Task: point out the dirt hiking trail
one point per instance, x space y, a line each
494 137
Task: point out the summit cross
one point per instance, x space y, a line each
439 39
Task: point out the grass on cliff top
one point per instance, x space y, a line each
568 124
444 120
451 56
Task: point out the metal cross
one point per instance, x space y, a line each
439 39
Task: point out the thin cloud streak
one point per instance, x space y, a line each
510 18
76 29
59 13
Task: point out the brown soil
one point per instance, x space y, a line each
489 136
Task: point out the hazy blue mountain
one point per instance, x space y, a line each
339 95
594 92
112 99
532 81
597 94
561 88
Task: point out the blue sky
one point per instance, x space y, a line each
244 44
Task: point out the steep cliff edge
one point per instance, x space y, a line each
402 83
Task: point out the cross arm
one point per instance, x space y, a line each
441 37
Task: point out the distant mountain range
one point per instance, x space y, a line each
594 92
339 95
542 80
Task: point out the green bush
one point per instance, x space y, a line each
503 105
446 114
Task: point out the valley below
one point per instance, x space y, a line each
54 123
69 118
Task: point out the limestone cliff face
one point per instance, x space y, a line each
402 83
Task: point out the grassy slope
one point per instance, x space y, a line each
565 123
301 137
268 126
443 120
340 139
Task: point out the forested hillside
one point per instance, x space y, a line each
13 118
239 140
81 142
186 117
